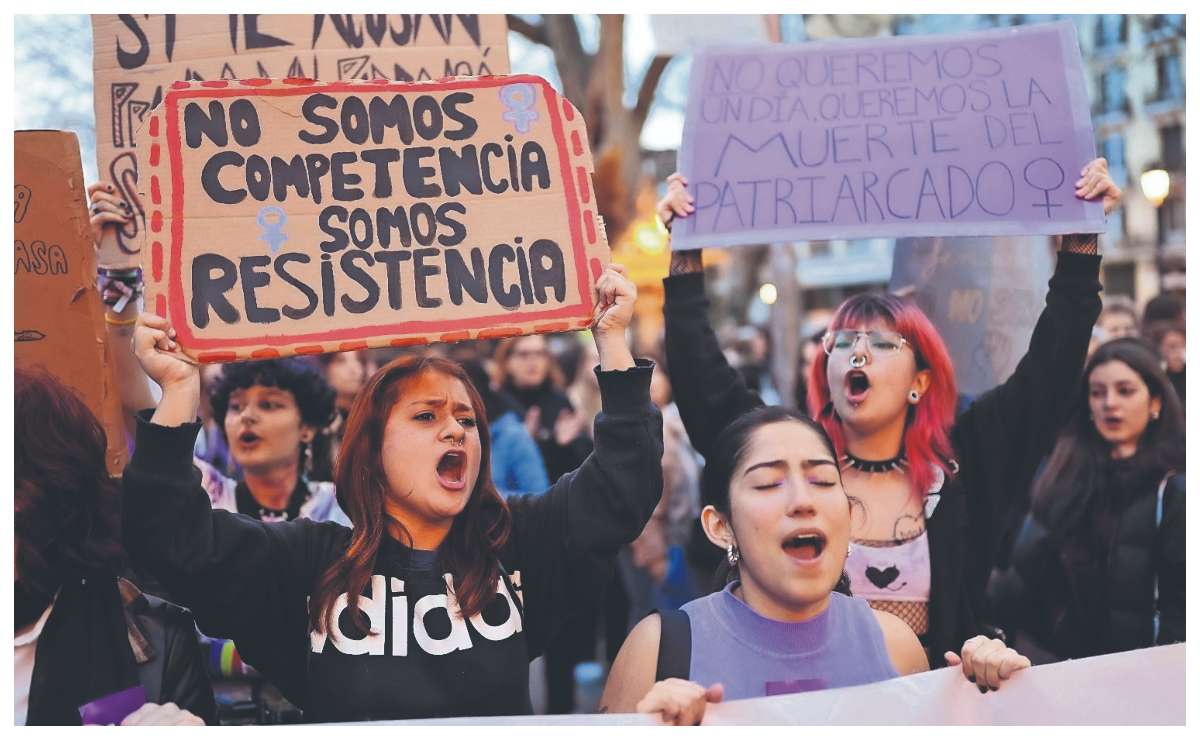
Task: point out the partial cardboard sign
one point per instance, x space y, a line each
979 134
983 294
300 217
137 57
58 317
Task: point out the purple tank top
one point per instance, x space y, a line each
755 656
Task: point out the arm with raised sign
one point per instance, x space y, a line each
710 394
565 541
1008 431
242 579
120 292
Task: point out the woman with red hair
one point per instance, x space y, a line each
927 490
443 591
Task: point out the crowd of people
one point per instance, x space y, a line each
386 534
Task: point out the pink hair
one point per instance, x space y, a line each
927 431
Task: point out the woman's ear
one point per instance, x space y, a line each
307 433
921 382
716 527
1155 406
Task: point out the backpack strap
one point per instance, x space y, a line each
674 645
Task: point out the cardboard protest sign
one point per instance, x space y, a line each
977 134
299 217
58 317
137 57
983 294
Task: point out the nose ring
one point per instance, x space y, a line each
857 361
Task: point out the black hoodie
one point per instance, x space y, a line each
250 581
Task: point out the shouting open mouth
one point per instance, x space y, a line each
452 470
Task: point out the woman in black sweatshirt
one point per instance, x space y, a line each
926 490
433 605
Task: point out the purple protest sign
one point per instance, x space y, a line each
979 134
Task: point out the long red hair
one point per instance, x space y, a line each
471 550
927 431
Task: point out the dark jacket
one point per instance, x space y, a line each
167 650
998 441
1091 592
250 581
155 638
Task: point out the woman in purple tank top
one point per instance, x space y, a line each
784 622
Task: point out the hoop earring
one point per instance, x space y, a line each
732 555
913 397
858 361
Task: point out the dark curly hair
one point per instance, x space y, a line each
314 397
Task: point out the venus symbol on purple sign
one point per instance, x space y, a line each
272 230
519 100
1045 174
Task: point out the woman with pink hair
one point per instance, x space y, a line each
928 491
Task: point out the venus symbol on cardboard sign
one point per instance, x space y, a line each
272 219
518 98
1045 174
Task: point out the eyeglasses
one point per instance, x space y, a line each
880 342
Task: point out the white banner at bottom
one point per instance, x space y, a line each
1140 687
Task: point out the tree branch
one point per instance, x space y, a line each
534 32
647 89
574 64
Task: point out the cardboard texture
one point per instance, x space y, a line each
300 217
137 57
58 317
980 134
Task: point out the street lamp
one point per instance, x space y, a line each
1156 185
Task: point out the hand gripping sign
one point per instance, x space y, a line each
298 217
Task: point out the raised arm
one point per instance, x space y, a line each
241 578
709 393
120 292
564 542
1009 430
607 500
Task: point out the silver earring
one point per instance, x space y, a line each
1154 416
913 397
732 555
849 548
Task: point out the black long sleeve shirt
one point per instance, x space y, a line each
998 441
250 581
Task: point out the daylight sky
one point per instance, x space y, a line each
54 64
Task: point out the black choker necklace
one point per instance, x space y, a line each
899 462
